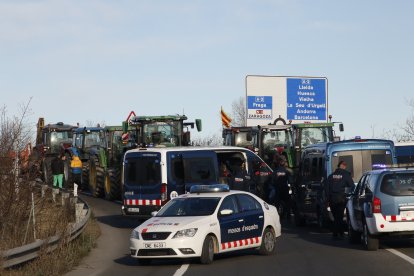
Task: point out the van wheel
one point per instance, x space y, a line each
370 242
268 242
207 253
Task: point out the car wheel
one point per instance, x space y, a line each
207 253
144 261
353 236
370 243
268 242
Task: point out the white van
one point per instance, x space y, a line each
152 176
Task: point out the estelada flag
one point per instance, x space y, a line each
225 119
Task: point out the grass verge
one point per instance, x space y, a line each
64 258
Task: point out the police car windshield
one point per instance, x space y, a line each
190 206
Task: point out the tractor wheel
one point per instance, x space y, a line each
68 178
47 171
95 184
85 175
112 184
100 180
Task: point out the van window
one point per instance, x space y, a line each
192 170
145 170
360 161
401 184
200 169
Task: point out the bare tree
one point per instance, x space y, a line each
405 132
408 128
210 140
239 112
90 123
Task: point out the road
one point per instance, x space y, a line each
300 251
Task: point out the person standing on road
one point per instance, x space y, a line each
76 166
280 186
337 183
58 170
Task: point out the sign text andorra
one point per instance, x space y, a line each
306 99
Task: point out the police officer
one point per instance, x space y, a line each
280 185
337 183
239 179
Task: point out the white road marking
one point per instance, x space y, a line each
181 270
401 255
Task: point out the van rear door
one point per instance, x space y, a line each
142 176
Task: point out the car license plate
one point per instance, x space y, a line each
134 210
407 215
153 245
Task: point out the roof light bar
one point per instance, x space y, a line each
209 188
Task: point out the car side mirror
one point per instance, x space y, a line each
226 212
154 213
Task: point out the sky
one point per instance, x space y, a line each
95 61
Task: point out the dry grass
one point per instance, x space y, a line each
64 258
51 218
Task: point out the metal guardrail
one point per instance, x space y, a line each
30 251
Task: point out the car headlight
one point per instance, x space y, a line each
135 234
185 233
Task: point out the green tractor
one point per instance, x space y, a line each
118 144
51 141
90 144
136 131
290 139
162 131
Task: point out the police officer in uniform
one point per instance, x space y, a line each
239 177
337 183
280 184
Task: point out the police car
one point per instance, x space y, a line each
382 205
209 220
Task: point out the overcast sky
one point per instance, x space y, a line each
95 61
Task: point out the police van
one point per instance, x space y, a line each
153 176
320 160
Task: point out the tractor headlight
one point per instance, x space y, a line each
185 233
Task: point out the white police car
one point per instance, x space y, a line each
210 219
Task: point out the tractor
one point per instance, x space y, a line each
51 141
90 145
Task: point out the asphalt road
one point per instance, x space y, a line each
300 251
